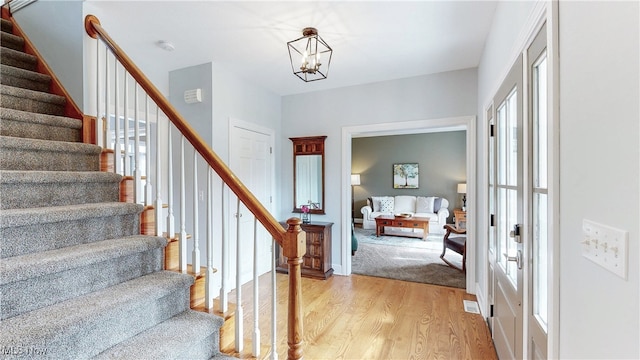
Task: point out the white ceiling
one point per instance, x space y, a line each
372 41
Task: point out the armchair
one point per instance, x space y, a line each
455 243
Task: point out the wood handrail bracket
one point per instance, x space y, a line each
292 239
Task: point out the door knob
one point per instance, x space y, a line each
517 259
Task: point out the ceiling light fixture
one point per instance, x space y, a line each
308 52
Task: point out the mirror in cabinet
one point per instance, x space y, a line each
308 173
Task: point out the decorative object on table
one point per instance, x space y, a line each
355 181
405 176
402 215
308 54
306 217
462 189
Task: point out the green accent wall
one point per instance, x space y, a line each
441 157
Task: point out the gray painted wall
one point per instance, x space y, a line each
441 157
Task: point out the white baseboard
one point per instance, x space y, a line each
482 302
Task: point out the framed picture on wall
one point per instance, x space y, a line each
405 176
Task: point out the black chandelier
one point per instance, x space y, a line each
307 55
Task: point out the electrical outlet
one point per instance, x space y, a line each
606 246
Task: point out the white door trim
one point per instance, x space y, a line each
467 123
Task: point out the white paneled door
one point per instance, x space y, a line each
250 159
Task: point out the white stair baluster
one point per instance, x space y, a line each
274 352
224 294
171 227
195 254
256 310
105 119
126 160
208 282
183 212
148 188
158 202
239 312
116 147
137 177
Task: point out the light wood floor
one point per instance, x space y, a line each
361 317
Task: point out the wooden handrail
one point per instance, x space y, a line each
94 29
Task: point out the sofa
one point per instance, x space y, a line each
434 208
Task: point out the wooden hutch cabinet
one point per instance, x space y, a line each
317 261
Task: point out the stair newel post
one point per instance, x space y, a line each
294 248
256 283
224 296
195 254
239 310
158 203
183 213
208 293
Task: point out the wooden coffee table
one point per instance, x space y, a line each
402 222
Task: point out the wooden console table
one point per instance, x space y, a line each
317 260
408 223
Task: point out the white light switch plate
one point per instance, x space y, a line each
606 246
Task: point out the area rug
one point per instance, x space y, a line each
405 258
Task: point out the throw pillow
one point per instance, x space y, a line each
437 204
375 203
386 204
424 204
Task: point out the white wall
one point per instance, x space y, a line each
599 172
60 42
438 96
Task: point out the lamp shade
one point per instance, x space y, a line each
462 188
355 179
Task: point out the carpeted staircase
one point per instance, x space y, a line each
76 278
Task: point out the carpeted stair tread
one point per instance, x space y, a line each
53 214
86 325
23 267
45 278
29 100
30 189
23 124
35 154
6 26
21 78
18 59
11 41
24 231
184 336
